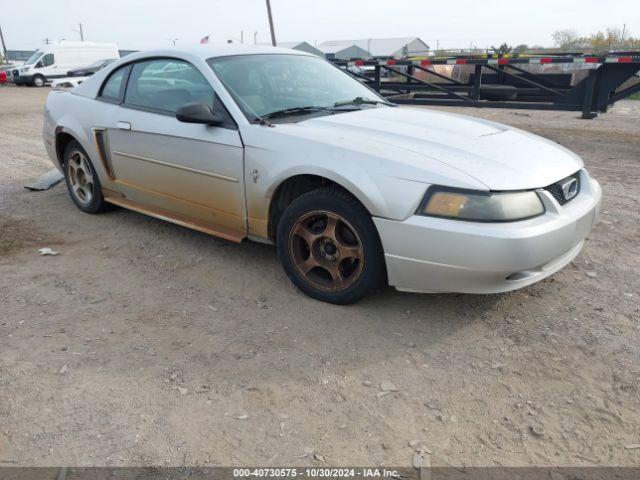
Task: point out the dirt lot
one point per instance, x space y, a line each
146 343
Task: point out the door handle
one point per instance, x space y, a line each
124 125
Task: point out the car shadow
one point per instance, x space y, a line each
217 302
253 272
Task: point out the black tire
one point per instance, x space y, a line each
38 81
354 222
94 204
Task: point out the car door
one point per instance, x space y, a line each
189 173
47 66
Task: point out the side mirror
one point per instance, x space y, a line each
198 113
38 65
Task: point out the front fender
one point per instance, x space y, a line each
355 181
280 157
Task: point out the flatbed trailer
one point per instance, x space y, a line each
505 82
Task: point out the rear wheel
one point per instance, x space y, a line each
329 246
38 81
82 181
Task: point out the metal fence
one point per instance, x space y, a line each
505 82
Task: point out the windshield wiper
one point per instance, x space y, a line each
360 101
286 112
292 111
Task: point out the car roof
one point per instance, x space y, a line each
206 51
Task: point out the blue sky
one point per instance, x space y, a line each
139 24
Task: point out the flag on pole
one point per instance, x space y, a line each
204 39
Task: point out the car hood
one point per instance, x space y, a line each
498 156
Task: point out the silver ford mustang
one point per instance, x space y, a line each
279 146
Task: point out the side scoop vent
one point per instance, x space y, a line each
100 136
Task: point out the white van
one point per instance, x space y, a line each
56 59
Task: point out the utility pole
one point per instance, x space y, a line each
80 32
241 36
255 38
273 33
4 48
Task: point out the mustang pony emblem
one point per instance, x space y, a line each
569 188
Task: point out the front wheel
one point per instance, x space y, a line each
329 247
38 81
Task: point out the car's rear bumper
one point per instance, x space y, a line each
427 254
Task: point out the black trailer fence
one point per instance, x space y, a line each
505 82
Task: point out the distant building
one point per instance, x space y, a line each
19 55
302 46
384 47
342 51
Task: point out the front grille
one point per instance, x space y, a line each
555 189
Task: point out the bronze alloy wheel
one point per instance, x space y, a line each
326 251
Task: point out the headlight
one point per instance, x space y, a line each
25 69
480 206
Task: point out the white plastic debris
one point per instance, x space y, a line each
47 251
46 181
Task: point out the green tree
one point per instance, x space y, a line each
599 42
612 39
503 48
566 39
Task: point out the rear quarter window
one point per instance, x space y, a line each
113 87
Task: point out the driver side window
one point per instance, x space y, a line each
165 85
48 60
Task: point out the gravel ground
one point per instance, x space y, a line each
146 343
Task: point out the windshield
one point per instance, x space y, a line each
34 58
263 84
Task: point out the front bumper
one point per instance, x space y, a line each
428 254
22 79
